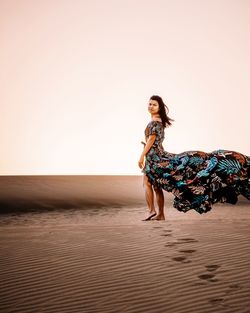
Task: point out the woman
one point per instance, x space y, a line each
196 178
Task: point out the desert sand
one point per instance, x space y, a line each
97 255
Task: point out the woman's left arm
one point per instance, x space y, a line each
150 142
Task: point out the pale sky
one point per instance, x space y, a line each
76 77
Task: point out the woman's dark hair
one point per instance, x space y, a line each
163 111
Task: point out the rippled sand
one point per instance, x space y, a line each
106 259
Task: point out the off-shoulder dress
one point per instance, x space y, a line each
197 179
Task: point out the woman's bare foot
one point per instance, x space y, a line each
159 217
150 216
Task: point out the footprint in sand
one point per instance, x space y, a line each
187 251
206 276
186 240
210 276
216 300
220 301
212 267
181 259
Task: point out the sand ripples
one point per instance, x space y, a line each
172 266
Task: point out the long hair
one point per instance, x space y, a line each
163 111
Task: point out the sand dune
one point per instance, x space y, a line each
106 259
113 262
26 193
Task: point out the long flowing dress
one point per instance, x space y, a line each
197 179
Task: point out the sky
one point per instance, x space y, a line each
76 77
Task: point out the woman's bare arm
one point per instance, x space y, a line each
147 147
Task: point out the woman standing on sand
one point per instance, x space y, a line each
196 178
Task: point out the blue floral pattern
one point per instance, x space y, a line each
197 179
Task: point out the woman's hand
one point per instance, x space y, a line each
141 162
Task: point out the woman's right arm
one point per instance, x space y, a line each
147 147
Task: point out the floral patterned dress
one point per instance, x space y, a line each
196 178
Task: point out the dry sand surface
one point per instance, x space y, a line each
105 259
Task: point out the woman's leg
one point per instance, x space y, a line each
149 194
160 203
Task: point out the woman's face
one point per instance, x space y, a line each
153 106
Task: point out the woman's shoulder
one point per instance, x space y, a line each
155 122
154 126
